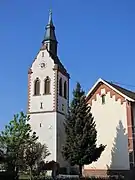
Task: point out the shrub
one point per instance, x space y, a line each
70 177
6 176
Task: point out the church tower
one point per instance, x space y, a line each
48 95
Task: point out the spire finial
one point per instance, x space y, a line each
50 17
50 11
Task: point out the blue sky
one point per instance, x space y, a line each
96 39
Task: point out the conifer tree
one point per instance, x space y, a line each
80 147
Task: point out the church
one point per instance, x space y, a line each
48 95
113 109
112 106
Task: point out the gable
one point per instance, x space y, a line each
125 93
103 89
42 57
52 61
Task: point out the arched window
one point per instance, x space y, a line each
37 87
60 87
47 84
65 89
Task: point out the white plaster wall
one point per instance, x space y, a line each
60 138
47 100
61 118
61 99
107 117
52 130
47 131
47 119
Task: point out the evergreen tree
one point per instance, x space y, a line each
80 147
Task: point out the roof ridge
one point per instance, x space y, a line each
123 90
119 86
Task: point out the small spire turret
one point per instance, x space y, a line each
49 38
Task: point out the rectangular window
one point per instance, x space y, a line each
128 102
40 125
42 54
41 105
103 99
62 107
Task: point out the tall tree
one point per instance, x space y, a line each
80 147
13 140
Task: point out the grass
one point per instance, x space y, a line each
24 177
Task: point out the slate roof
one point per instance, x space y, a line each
124 91
50 30
58 62
55 59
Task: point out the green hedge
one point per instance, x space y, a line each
75 178
10 176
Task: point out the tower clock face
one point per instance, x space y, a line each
42 65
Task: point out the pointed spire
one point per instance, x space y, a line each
49 37
50 22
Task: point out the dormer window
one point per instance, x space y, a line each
103 99
46 46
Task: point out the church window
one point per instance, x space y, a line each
47 84
41 105
42 54
37 87
103 99
65 89
62 107
60 87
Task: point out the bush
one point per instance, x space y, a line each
63 170
70 177
6 176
